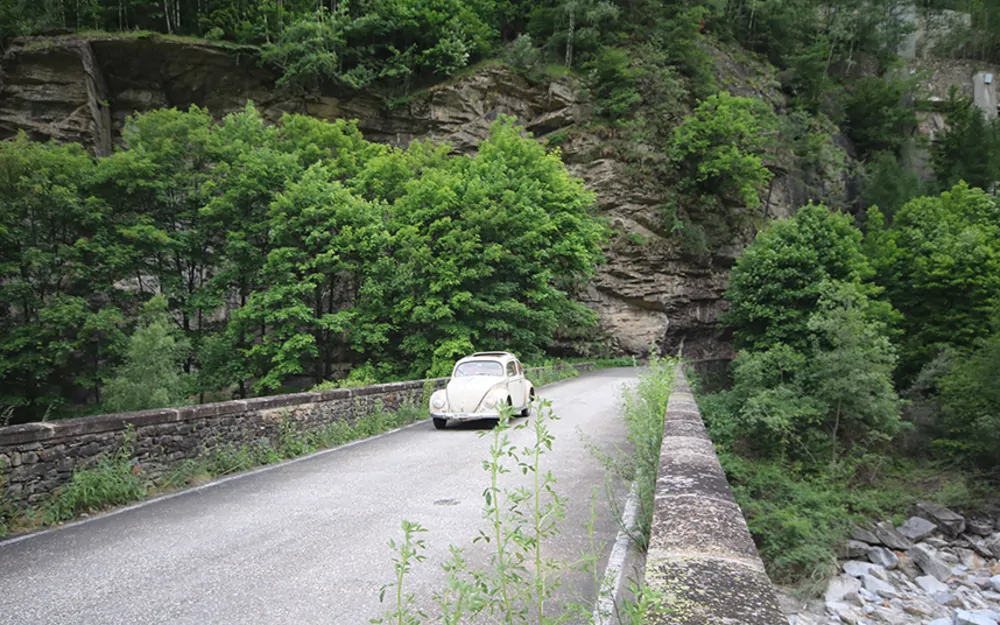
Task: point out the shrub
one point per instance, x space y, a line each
720 148
151 376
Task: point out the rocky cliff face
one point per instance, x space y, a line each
74 89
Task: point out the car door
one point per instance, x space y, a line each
515 382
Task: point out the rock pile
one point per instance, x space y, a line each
937 568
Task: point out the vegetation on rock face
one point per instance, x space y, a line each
280 251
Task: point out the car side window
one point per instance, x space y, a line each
511 369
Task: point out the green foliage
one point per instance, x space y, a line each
970 406
777 283
969 148
720 148
573 29
60 326
614 83
812 404
939 263
875 116
389 45
524 57
115 480
645 407
281 251
150 376
820 164
888 184
680 37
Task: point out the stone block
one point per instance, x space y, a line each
699 525
209 411
917 528
25 433
713 591
692 429
951 523
930 562
844 589
692 474
889 537
864 534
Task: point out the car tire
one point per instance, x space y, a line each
439 423
527 409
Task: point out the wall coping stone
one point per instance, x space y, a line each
701 554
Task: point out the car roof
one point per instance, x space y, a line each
502 356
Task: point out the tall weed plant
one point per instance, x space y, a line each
519 582
645 407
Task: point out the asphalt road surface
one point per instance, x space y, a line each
305 542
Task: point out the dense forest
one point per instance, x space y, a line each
866 326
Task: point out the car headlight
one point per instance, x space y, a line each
438 401
493 398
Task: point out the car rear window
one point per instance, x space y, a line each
478 367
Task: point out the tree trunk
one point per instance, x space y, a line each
833 437
569 35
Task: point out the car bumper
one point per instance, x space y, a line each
465 416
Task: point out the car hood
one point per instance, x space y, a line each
464 394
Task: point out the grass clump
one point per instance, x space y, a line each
115 480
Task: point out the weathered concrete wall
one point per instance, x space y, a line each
700 553
38 458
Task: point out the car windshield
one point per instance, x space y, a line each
478 367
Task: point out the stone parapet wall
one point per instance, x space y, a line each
701 554
38 458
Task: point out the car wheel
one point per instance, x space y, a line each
527 409
440 423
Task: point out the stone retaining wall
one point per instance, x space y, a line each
701 555
37 458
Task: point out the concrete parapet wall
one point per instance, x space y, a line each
701 554
38 458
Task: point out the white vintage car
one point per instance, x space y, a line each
480 384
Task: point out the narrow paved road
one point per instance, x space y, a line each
305 542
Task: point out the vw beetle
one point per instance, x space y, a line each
479 385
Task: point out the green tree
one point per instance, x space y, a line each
151 376
969 147
326 243
889 185
616 93
720 148
939 263
970 405
59 322
776 285
157 189
876 117
488 250
829 398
